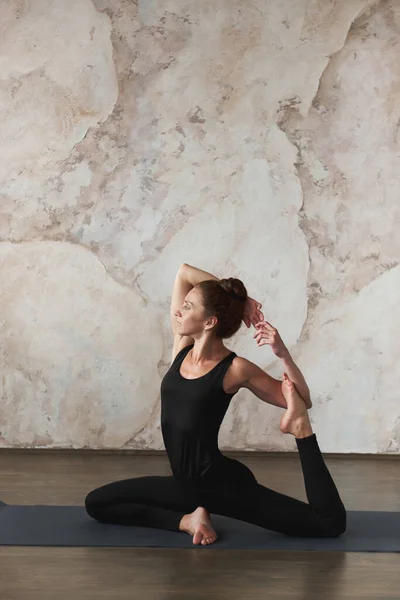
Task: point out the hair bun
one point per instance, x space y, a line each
235 288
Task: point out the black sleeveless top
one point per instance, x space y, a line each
192 411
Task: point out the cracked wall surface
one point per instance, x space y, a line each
259 141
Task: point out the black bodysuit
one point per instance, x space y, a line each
192 411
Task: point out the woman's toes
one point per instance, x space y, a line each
209 540
197 537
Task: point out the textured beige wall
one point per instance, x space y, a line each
258 140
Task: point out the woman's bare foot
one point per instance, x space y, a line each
295 420
198 524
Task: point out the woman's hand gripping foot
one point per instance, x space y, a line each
198 524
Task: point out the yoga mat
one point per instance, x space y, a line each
41 525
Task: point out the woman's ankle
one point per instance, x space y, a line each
304 432
183 523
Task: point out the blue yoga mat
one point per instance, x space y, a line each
41 525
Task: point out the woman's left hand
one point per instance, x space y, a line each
252 313
266 334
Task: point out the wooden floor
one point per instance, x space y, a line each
65 477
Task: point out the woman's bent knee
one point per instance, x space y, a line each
91 504
339 527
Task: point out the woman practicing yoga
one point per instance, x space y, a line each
195 395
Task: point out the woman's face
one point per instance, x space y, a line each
190 318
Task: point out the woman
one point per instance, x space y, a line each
195 395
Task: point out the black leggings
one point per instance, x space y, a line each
161 501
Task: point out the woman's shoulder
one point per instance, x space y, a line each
241 369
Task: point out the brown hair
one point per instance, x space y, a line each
224 299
